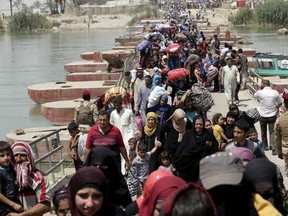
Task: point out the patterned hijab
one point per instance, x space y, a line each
149 131
26 173
181 128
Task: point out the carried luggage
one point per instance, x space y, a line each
155 96
172 48
177 74
201 97
142 45
113 92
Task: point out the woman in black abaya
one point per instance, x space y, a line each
196 144
103 157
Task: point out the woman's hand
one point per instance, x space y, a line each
158 144
209 143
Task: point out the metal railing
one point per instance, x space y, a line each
49 157
128 65
48 149
253 82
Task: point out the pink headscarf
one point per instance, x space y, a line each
181 128
160 191
26 171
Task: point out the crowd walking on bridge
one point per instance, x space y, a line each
152 149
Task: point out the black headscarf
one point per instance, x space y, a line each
234 200
191 150
262 172
104 158
86 176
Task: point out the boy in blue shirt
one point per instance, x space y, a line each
9 201
253 136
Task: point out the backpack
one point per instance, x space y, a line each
85 114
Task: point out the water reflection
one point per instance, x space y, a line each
35 110
264 39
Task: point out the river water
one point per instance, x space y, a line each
40 58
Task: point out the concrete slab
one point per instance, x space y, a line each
56 91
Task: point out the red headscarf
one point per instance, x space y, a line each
26 173
169 202
161 190
149 183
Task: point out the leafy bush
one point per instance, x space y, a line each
150 12
244 16
22 22
273 12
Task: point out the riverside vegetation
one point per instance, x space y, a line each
274 12
27 22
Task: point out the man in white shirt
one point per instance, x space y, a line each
124 119
139 81
230 78
270 102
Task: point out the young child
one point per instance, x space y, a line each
253 136
229 125
218 130
61 201
165 160
76 144
132 142
9 201
141 161
208 125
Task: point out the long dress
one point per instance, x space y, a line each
191 150
150 142
168 136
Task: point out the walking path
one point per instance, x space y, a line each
246 102
221 106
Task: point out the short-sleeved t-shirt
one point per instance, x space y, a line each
217 130
112 138
142 166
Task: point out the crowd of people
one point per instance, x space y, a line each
151 148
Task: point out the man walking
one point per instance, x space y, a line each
106 135
124 119
281 135
230 78
86 111
270 102
144 93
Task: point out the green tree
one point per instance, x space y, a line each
244 16
274 12
27 22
